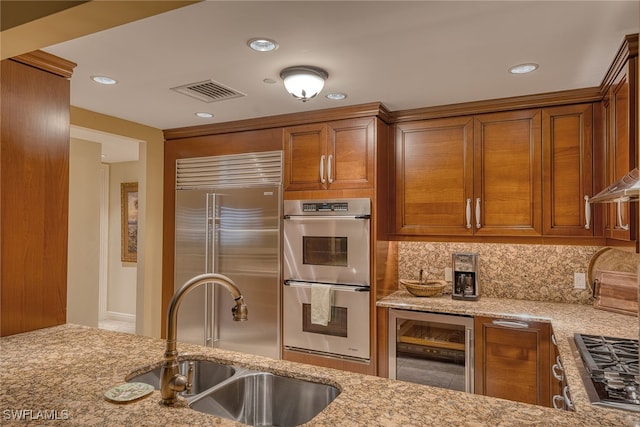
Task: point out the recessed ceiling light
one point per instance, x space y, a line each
262 45
336 96
104 80
204 115
523 68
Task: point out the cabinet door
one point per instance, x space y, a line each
305 149
350 160
622 146
434 177
512 360
507 168
567 147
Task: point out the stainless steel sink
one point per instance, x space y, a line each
206 374
265 399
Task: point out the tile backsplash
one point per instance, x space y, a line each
524 272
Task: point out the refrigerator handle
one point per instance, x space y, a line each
209 267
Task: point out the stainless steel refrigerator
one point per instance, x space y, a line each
231 227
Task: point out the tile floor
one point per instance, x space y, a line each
118 326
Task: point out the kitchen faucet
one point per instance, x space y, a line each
171 380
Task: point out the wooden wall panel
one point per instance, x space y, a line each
34 203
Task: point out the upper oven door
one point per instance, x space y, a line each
329 249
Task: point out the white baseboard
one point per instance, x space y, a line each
123 317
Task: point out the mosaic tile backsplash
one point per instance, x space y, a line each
524 272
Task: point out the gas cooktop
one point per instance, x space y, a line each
612 377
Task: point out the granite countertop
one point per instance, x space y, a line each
565 319
64 371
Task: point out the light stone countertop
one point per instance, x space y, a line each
65 371
565 319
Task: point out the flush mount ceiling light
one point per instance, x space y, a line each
204 115
304 82
262 45
104 80
523 68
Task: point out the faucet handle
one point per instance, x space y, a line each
189 384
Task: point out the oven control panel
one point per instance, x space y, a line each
325 207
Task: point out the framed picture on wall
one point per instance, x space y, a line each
129 221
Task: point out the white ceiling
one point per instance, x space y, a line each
404 54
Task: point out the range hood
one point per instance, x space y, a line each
625 189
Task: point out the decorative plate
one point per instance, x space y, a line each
128 392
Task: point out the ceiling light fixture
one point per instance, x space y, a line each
261 44
304 82
204 115
104 80
336 96
523 68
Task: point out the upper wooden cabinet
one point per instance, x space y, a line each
621 106
334 155
567 158
434 177
507 174
469 176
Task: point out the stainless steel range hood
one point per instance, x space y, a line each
625 189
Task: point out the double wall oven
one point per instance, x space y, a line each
327 245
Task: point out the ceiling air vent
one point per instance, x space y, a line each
208 91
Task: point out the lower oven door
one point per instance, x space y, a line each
346 334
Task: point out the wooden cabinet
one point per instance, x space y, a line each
34 189
335 155
479 175
507 187
567 157
622 134
512 360
434 177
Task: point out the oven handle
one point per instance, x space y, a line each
326 217
342 288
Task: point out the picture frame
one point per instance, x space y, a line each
129 221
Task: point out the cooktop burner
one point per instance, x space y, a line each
612 370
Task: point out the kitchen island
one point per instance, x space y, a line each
58 376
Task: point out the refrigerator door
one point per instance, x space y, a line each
191 252
246 249
235 232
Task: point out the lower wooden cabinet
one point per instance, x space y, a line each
512 360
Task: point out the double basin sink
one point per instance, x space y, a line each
248 396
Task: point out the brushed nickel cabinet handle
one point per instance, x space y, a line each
329 164
557 398
557 375
567 398
587 213
478 225
468 213
510 324
322 180
619 209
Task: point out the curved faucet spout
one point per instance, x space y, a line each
171 380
